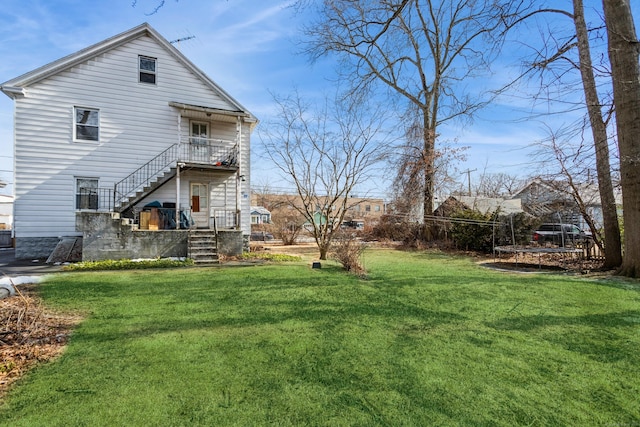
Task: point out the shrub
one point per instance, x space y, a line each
127 264
392 227
518 226
270 256
470 231
347 250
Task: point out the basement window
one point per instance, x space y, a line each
147 69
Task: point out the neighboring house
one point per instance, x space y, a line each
484 205
6 220
360 211
6 212
549 201
127 128
260 215
487 205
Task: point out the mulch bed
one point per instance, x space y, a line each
29 334
530 262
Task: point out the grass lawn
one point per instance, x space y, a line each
426 339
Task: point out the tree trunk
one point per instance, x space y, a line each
612 243
624 53
429 159
323 252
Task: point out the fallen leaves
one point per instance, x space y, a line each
29 334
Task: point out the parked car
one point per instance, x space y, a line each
560 234
261 236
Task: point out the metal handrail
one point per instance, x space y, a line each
216 152
95 199
224 218
142 176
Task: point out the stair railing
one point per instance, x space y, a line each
143 176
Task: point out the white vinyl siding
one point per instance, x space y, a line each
136 123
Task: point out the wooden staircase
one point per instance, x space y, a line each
203 246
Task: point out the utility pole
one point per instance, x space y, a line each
468 172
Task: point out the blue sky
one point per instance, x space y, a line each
247 47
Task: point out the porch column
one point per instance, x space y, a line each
239 172
178 196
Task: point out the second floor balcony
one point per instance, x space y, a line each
208 152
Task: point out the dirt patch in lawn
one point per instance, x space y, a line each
29 334
532 262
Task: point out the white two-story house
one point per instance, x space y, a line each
129 148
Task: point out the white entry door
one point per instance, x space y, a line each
200 204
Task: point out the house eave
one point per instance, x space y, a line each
97 49
215 112
13 92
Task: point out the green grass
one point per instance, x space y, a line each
426 339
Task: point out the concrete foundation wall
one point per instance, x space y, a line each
35 247
230 242
107 237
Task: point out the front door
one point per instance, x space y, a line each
200 204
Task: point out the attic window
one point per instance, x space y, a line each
87 124
147 69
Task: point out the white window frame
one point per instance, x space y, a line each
198 139
91 195
153 73
76 124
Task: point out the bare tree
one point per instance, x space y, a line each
613 246
425 52
286 222
557 52
498 184
326 153
410 168
624 54
573 176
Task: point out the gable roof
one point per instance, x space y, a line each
259 210
559 190
14 87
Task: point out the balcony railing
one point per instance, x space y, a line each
204 151
96 199
224 218
216 152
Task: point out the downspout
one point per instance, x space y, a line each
178 173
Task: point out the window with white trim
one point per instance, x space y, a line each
86 124
86 193
147 69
